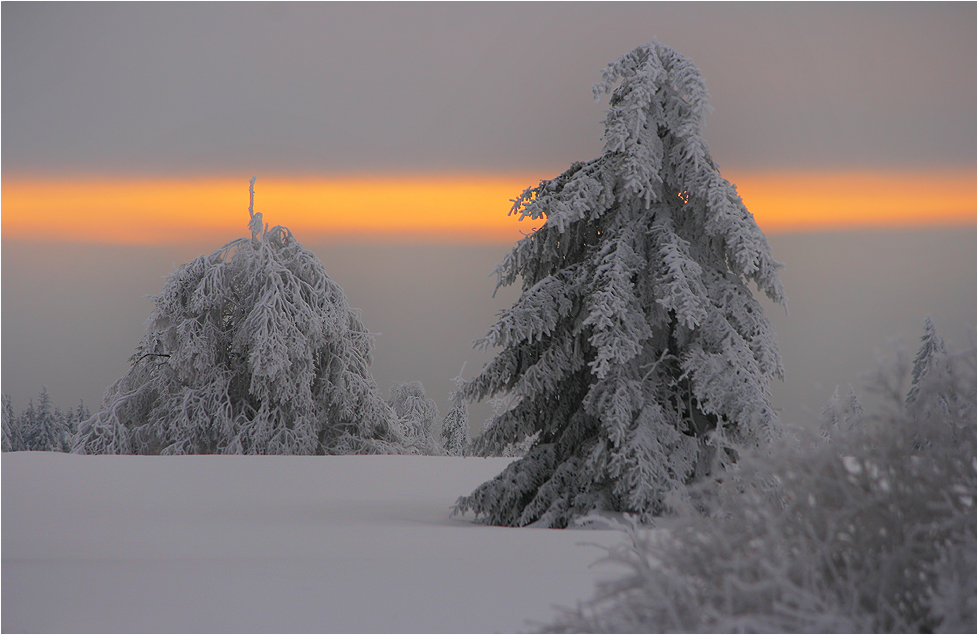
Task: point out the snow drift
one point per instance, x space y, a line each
273 544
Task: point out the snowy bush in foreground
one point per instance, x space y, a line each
251 350
870 530
636 351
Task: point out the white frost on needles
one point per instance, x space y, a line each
636 353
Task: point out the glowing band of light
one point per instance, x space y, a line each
438 208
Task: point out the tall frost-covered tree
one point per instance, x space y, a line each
636 350
250 350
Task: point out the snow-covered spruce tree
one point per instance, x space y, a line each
455 425
250 350
70 422
636 349
42 426
929 366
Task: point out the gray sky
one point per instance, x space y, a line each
194 89
292 89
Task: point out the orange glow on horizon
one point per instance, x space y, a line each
806 201
168 210
442 208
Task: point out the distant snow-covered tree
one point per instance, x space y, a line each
7 424
930 369
251 349
455 426
636 351
70 421
932 353
841 412
415 415
42 425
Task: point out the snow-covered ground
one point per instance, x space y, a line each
274 544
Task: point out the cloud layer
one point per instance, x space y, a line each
313 88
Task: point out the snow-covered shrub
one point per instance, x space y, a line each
636 351
870 530
415 415
251 349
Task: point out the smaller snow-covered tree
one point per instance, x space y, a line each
930 375
250 350
7 420
25 424
416 415
455 426
841 412
42 425
931 354
70 421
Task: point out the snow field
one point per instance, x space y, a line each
274 544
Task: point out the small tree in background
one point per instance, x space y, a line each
841 412
42 426
253 350
415 414
636 351
455 426
71 421
9 442
931 365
